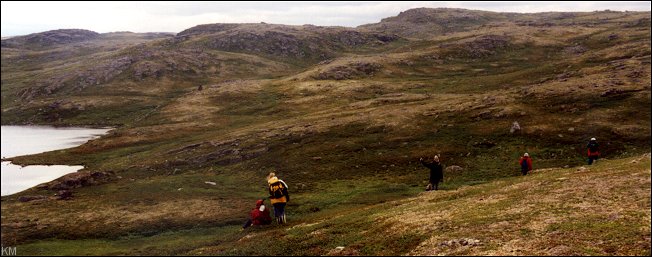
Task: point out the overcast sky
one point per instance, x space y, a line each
20 18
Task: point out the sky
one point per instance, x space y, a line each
21 18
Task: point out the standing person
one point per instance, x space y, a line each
279 196
258 215
526 164
593 151
436 172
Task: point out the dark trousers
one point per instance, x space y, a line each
247 224
592 158
524 171
279 212
433 185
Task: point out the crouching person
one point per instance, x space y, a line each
259 215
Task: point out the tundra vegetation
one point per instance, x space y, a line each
343 116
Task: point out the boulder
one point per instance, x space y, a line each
64 195
613 37
515 127
576 50
461 242
454 168
610 92
29 198
78 179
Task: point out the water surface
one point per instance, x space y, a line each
22 140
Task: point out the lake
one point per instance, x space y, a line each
22 140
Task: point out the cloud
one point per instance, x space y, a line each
29 17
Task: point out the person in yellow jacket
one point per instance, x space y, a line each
278 195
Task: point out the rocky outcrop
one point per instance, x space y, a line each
205 29
179 56
138 63
479 47
64 195
617 91
29 198
461 242
427 22
300 43
575 50
352 70
58 110
77 180
269 43
102 72
50 38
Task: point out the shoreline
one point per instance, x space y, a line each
18 175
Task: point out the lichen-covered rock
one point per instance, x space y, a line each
77 180
29 198
349 71
454 168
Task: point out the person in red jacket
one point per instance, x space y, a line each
259 215
592 150
526 164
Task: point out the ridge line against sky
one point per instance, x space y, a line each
21 18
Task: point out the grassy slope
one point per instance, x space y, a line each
363 135
602 209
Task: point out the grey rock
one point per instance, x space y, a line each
24 199
454 168
515 128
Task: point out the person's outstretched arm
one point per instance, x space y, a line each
424 163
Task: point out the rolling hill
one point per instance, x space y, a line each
342 115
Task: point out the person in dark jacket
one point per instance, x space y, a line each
436 172
526 164
592 150
258 215
279 196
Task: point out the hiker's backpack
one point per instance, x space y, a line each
524 164
277 189
593 147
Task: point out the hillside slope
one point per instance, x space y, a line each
603 209
343 120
